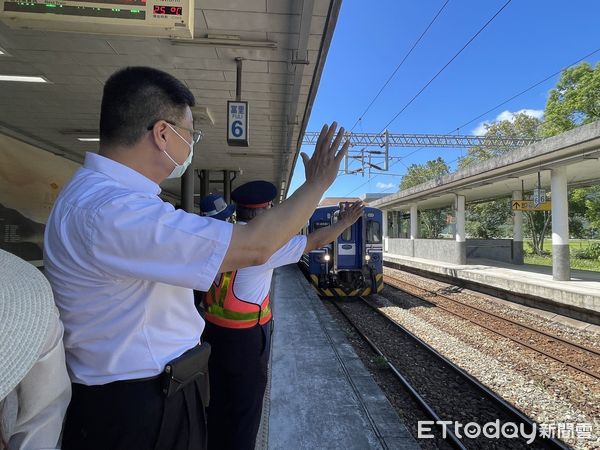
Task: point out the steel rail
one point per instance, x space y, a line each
499 332
510 409
454 440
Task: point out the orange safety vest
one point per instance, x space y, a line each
224 309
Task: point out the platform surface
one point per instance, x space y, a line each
320 394
581 292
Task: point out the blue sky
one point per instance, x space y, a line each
528 41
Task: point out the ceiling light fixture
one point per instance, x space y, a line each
23 79
226 41
88 139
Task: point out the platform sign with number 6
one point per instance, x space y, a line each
237 123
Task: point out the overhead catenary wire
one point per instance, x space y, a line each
438 74
446 65
399 65
524 91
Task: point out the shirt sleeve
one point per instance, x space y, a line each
148 239
43 396
290 253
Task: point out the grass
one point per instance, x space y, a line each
574 244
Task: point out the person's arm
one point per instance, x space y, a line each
43 396
325 235
253 244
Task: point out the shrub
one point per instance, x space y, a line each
591 252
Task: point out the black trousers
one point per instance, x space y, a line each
238 378
136 415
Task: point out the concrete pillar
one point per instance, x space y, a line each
414 222
227 186
517 243
460 235
414 228
384 230
561 264
204 183
187 190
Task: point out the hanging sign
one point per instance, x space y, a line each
539 197
528 205
237 123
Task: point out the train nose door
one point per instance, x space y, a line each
348 246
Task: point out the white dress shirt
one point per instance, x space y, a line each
252 284
122 264
33 412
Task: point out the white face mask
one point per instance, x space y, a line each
179 169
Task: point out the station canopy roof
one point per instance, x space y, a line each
283 44
578 150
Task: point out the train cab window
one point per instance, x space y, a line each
373 232
347 233
319 224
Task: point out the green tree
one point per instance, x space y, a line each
421 173
488 220
522 126
537 224
584 204
574 101
432 221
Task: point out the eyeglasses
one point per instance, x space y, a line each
197 135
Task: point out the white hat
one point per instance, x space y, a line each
26 305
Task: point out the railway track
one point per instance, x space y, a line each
443 390
580 358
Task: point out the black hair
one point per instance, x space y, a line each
247 214
135 98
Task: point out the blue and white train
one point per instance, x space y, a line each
353 264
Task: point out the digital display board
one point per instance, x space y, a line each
172 19
168 10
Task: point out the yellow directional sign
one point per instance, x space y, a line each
528 205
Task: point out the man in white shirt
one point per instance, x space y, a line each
122 264
237 312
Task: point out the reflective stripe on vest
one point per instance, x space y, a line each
224 309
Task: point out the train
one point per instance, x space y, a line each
352 265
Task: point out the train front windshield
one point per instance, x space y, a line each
373 232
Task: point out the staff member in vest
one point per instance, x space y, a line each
122 264
238 320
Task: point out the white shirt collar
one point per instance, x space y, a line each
120 173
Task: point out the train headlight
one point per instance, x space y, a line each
367 258
326 257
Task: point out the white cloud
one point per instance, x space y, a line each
508 115
381 185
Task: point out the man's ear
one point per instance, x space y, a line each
159 134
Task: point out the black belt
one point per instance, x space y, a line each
140 380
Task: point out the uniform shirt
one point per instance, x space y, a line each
122 264
252 284
32 414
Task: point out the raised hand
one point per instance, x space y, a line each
352 213
322 167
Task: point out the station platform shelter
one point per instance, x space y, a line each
552 165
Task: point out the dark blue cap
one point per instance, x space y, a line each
214 205
254 194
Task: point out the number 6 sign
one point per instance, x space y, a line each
237 123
